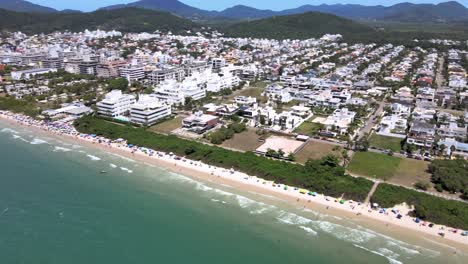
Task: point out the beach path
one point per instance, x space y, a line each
371 192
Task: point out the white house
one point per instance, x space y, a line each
340 120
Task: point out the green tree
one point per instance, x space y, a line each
118 84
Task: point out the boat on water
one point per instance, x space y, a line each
102 172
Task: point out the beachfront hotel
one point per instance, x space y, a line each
148 111
115 103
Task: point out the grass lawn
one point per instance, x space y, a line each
254 90
383 142
410 171
167 126
308 128
374 165
245 141
315 150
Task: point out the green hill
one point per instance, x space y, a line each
301 26
125 19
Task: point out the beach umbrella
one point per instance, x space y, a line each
342 201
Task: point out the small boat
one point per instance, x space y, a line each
103 172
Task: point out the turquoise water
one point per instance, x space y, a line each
56 207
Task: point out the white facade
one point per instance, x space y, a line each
115 104
340 120
173 92
148 110
28 74
217 82
132 73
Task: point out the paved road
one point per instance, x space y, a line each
370 122
439 77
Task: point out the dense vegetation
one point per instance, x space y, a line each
27 106
219 136
118 84
427 207
318 175
451 175
314 24
307 25
125 19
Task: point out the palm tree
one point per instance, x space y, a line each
452 149
442 148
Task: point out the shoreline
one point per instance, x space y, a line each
361 213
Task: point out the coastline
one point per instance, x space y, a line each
361 213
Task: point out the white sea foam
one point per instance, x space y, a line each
20 138
221 192
308 230
292 219
408 251
61 149
9 130
262 208
345 233
390 259
126 169
76 146
92 157
202 187
113 165
244 202
37 141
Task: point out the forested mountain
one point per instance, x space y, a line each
306 25
403 12
24 6
124 19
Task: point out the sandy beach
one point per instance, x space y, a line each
385 220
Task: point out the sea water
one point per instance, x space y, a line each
57 207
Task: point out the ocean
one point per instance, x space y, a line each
57 207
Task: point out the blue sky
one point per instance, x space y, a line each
89 5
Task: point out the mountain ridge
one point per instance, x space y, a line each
123 19
407 12
25 6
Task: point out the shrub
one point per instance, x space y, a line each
421 185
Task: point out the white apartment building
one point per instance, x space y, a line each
160 76
28 74
115 104
218 82
148 110
132 72
174 93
